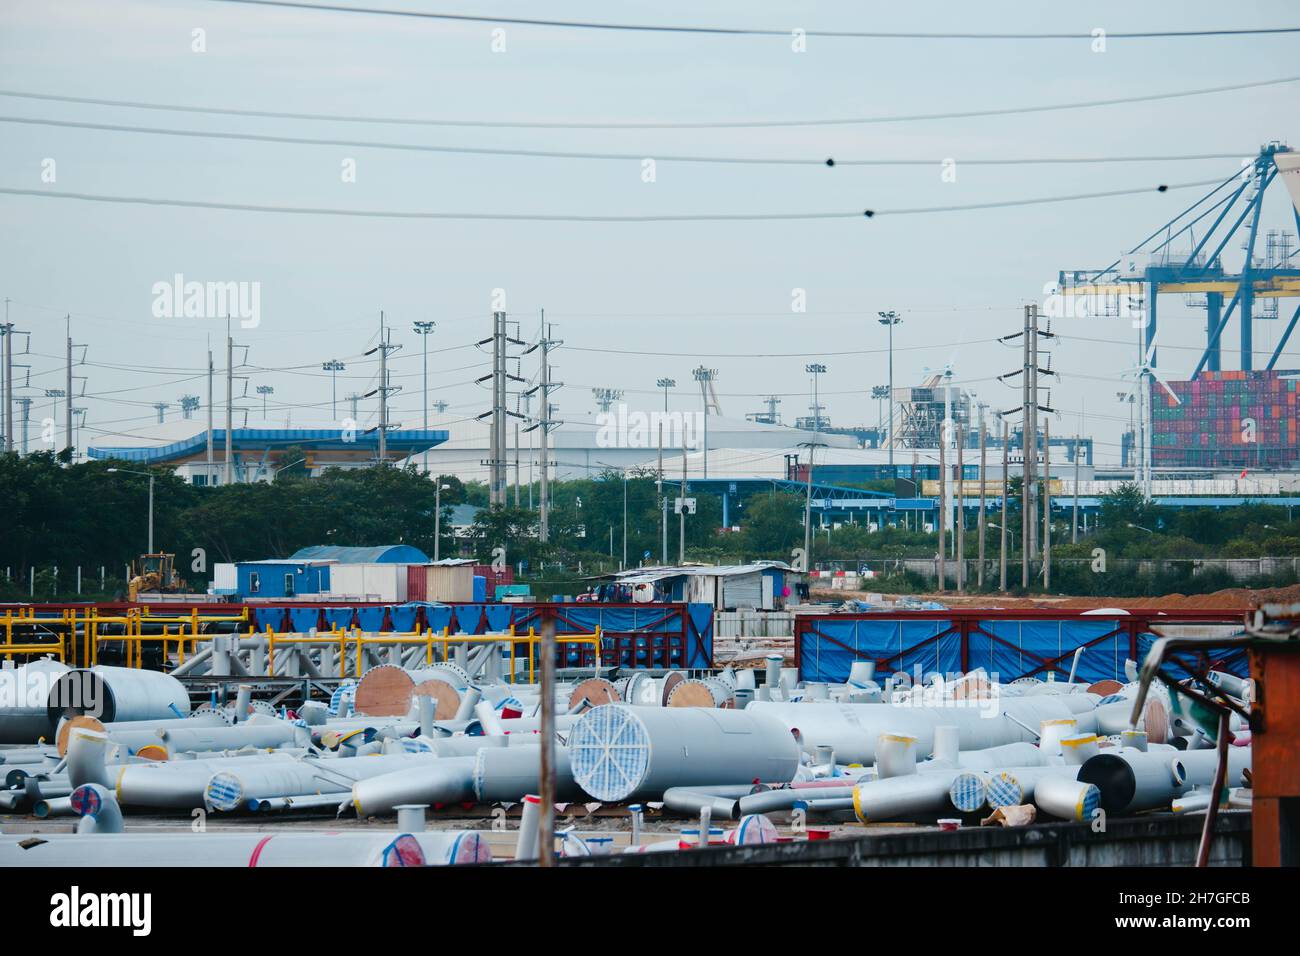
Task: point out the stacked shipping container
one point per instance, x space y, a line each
1237 420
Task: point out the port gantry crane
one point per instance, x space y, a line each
1153 268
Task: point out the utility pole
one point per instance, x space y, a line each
943 498
959 515
807 508
67 432
1029 409
663 499
1002 551
26 404
383 348
210 471
1047 506
1074 520
6 346
352 399
161 409
1029 439
681 513
543 424
230 406
979 574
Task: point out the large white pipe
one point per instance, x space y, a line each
895 755
28 687
262 732
180 785
504 775
382 848
233 788
852 729
527 842
433 780
1067 798
619 752
117 693
87 757
97 808
898 797
1130 780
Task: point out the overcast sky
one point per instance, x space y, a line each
717 292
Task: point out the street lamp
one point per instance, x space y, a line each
150 476
333 366
665 384
889 320
439 488
263 390
1138 527
424 330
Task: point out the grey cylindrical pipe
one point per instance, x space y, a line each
862 673
947 744
503 775
692 802
243 699
22 724
179 785
635 810
816 690
314 714
462 746
852 729
895 755
487 716
527 842
1229 683
469 699
435 781
745 679
272 733
117 693
410 817
899 797
772 801
1130 781
1078 749
1068 799
825 756
772 673
98 809
427 708
53 807
620 752
87 753
297 850
1137 739
1050 733
310 801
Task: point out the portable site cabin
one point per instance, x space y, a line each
278 579
762 585
367 573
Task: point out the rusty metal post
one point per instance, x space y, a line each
546 785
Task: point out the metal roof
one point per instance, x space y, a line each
381 554
403 440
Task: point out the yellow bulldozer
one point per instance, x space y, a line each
153 573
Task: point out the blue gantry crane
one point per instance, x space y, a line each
1152 268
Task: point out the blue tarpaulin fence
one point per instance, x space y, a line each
678 636
1006 646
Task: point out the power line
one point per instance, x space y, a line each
745 31
574 217
588 155
650 124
